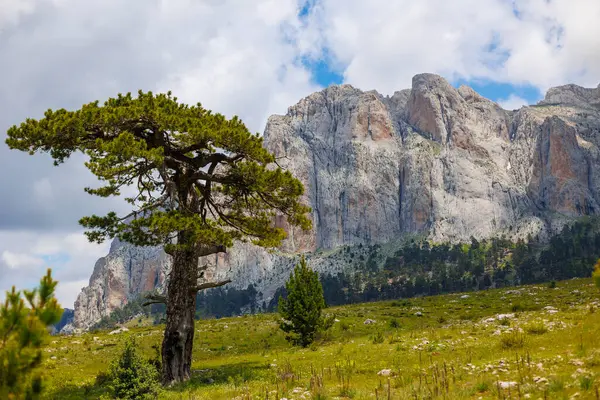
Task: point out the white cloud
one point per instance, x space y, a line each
512 102
242 66
12 10
42 191
241 57
25 256
383 44
235 57
66 292
20 260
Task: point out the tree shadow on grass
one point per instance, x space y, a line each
237 373
75 392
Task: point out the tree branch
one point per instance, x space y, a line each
155 299
156 203
209 285
206 251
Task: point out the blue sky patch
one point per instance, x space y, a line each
322 72
499 91
55 260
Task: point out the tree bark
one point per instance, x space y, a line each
181 307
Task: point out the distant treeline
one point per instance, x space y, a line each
420 268
212 303
427 269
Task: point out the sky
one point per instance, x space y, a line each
251 59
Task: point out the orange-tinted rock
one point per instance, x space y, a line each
560 170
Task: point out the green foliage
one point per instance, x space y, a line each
199 182
482 387
423 268
24 327
217 303
123 314
586 383
131 376
378 338
596 274
512 340
517 307
194 171
536 328
252 350
301 310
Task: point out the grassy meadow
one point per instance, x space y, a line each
533 342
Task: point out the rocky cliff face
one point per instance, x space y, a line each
432 160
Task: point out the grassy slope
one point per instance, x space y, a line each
450 352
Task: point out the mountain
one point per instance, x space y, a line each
432 160
65 319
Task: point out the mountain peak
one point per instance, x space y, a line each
573 95
433 160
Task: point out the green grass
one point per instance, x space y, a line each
458 349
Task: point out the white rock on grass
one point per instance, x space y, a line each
385 372
117 331
500 317
507 385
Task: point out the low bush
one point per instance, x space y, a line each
131 376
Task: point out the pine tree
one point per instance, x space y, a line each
302 309
199 183
132 377
596 274
24 326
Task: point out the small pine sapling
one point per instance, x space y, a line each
25 318
301 311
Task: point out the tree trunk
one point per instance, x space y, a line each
181 308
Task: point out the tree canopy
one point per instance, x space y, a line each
192 170
196 182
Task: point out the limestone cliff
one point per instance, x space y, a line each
432 160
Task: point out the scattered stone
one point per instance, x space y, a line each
385 372
117 331
500 317
419 314
465 296
369 321
507 385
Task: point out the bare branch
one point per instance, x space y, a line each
203 268
209 285
154 299
159 202
206 251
